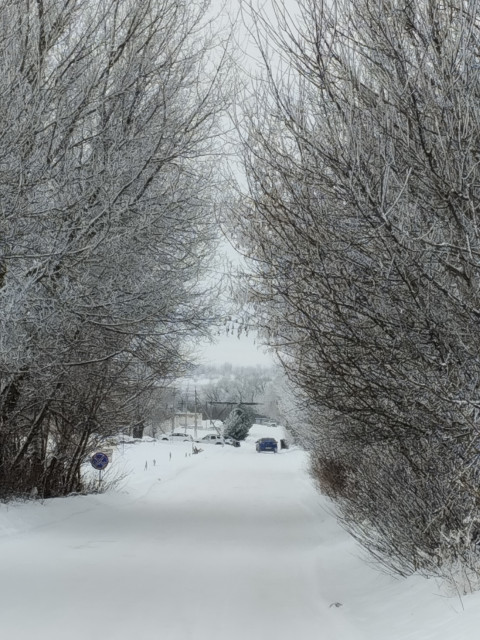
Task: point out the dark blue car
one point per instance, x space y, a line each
267 444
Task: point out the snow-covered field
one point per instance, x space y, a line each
225 545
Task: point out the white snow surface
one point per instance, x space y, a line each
229 544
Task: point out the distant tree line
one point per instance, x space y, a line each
229 383
213 389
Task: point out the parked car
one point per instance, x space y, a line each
212 438
177 436
232 442
266 444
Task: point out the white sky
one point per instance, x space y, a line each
241 352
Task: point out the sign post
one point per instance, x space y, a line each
99 461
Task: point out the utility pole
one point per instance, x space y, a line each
184 413
195 428
173 410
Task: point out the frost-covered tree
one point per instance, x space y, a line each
238 423
110 111
236 384
361 221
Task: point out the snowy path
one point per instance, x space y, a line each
228 545
220 550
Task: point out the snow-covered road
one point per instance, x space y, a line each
229 545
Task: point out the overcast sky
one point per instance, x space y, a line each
239 351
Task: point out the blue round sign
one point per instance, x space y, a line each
99 460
